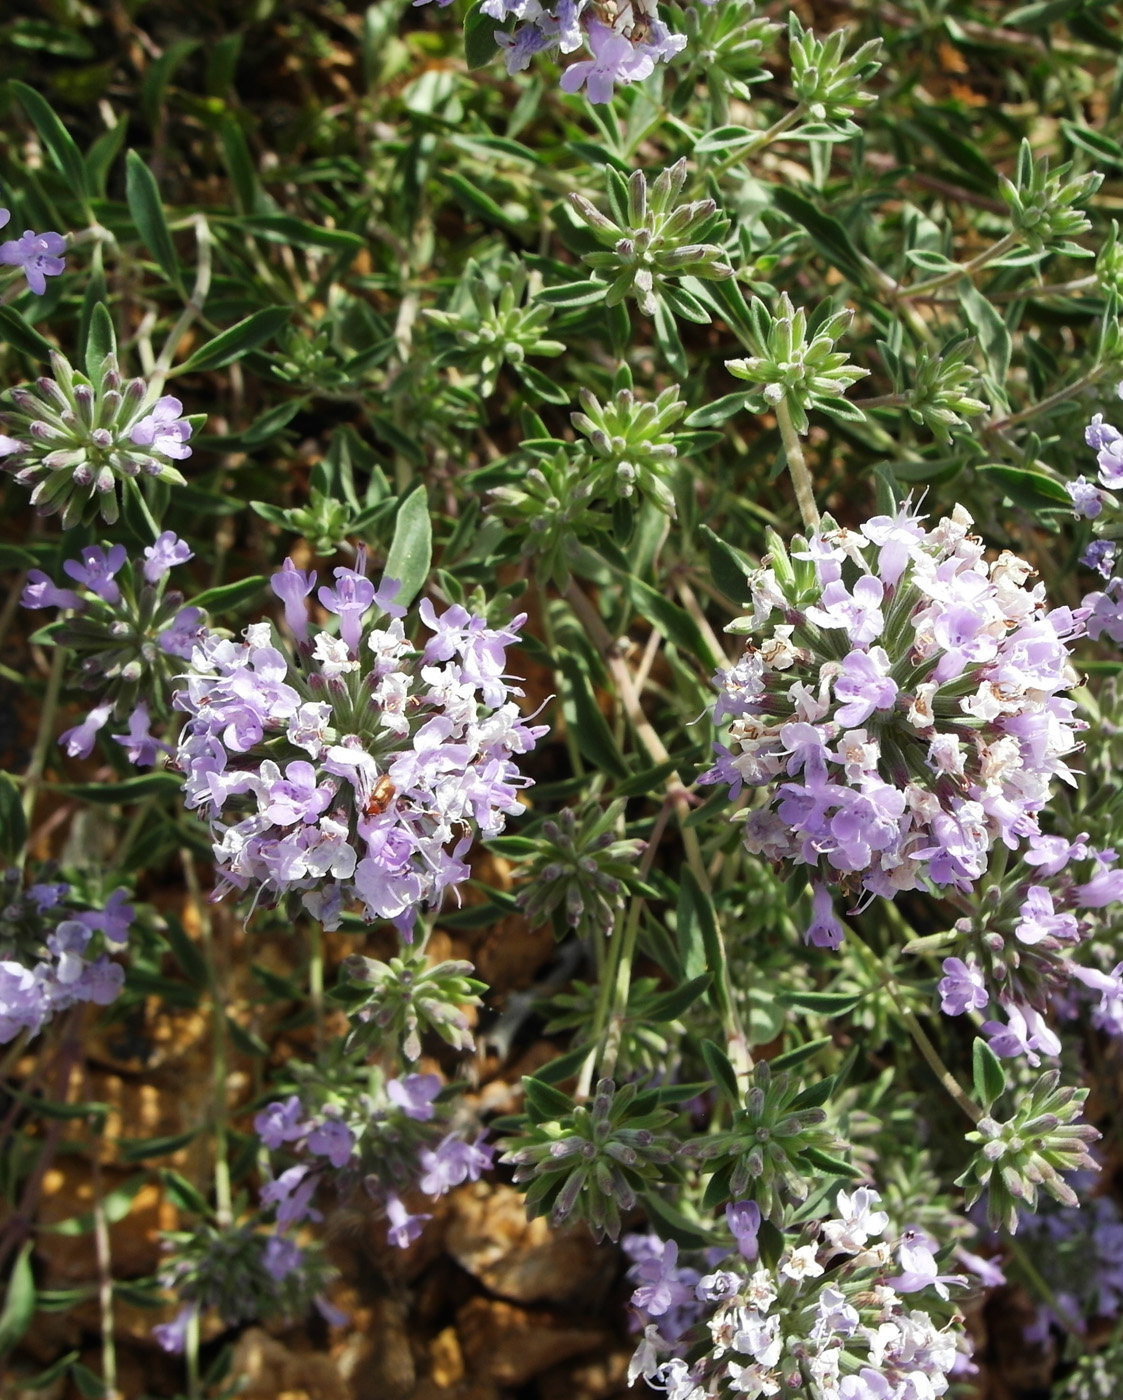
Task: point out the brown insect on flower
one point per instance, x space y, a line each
382 794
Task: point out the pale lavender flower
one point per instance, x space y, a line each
962 987
142 749
334 1140
282 1257
172 1336
1087 499
279 1123
743 1219
414 1095
1025 1034
292 586
403 1228
1100 556
41 592
168 551
180 638
1039 920
615 60
164 430
79 741
39 254
453 1162
292 1194
96 570
351 598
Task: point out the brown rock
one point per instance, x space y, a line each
271 1371
596 1378
525 1261
511 1345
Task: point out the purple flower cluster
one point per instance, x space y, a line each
38 254
393 1139
906 711
54 955
1021 947
356 768
130 632
828 1315
624 48
1079 1253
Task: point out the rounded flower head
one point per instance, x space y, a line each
74 438
954 669
357 768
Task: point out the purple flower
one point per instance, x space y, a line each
662 1285
22 1004
615 60
521 46
179 639
172 1336
296 797
292 586
138 743
858 612
41 592
350 599
279 1123
1087 499
79 741
1050 854
1025 1034
414 1095
403 1228
864 686
1105 887
333 1140
826 929
114 920
919 1267
1100 556
282 1256
168 550
96 570
962 987
163 430
292 1194
1040 921
743 1219
39 254
453 1162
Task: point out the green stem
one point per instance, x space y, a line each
133 485
191 1356
1060 396
316 982
968 269
797 467
758 142
224 1212
34 775
191 311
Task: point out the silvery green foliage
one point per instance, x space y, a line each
396 1001
1019 1156
1042 204
828 82
631 443
654 241
76 438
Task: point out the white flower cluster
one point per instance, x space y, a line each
827 1321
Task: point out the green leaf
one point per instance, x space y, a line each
989 327
573 294
591 733
182 1194
52 1373
791 1058
724 138
1032 490
147 209
116 1205
673 622
56 138
282 228
696 912
671 1224
101 339
563 1066
140 1149
721 1071
545 1103
127 790
19 1301
829 237
230 595
473 199
191 961
822 1003
90 1386
411 550
729 568
670 1005
825 1162
479 36
17 333
988 1074
246 1042
717 411
13 823
239 340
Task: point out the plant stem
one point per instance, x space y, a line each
224 1213
193 309
316 981
967 269
133 485
1088 378
34 775
758 142
797 467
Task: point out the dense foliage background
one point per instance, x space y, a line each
402 304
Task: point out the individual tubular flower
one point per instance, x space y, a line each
905 713
652 241
55 953
825 1318
74 438
39 255
353 768
590 1164
132 634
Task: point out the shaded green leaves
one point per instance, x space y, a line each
239 340
411 550
147 210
